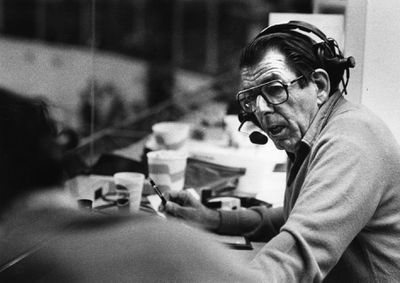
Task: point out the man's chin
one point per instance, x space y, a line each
278 144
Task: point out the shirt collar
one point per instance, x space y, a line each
321 119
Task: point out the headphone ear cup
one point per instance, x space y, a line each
325 54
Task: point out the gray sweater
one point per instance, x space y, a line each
340 221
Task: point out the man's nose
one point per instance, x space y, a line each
263 105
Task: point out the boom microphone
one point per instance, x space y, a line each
255 137
258 138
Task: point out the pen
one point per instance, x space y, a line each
157 190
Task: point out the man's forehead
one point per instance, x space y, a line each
254 77
271 66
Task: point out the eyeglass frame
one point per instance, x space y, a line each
284 85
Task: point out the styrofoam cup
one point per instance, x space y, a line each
170 135
129 185
167 169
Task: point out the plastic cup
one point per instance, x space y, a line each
170 135
167 169
129 186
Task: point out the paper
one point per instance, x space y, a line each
155 203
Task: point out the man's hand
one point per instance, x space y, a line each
183 205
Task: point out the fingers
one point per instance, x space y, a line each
182 204
171 208
201 217
177 210
180 197
171 197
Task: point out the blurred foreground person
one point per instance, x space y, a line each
44 238
340 221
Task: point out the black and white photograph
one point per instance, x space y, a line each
199 141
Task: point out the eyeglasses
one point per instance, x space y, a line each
274 93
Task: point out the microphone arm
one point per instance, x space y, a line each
255 136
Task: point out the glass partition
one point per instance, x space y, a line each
109 69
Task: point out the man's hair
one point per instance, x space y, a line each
299 52
29 156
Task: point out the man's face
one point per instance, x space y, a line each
285 123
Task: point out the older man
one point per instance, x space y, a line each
340 220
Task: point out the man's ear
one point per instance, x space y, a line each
321 79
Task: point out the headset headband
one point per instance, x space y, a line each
292 26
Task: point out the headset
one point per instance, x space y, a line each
327 51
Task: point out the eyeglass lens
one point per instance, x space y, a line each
273 93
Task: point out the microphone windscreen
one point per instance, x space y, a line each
258 138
